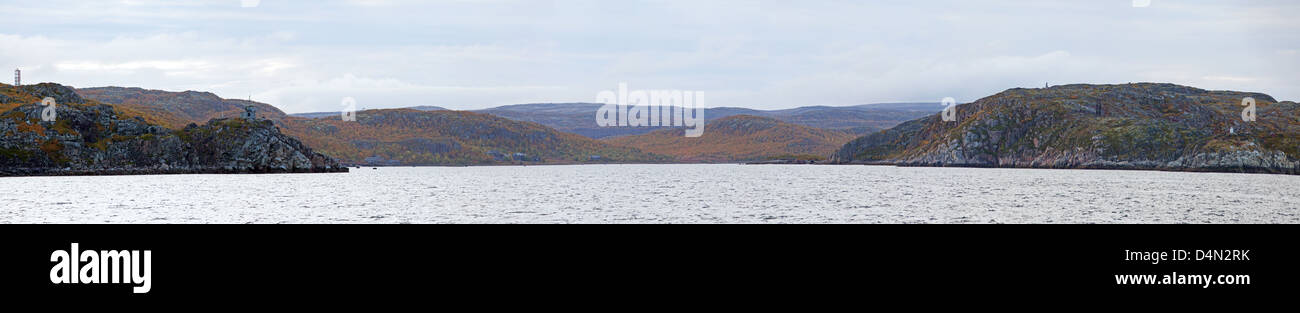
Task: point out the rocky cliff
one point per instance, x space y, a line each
1129 126
89 138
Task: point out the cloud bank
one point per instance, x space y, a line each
307 55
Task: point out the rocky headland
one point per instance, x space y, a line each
89 138
1143 126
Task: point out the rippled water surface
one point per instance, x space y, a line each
659 194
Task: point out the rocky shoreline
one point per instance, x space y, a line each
147 171
1230 162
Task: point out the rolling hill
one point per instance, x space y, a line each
1127 126
186 107
430 135
338 113
740 138
424 136
579 118
414 137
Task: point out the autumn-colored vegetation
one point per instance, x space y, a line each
416 137
860 119
175 110
740 138
410 137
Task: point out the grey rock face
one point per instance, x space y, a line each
62 94
95 140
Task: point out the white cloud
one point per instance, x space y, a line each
164 65
305 56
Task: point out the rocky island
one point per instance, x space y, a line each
85 137
1144 126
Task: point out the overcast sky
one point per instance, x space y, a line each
466 54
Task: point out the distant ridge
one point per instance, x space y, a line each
339 113
425 135
579 118
415 137
741 138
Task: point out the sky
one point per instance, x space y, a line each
306 56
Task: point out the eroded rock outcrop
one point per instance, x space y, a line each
87 138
